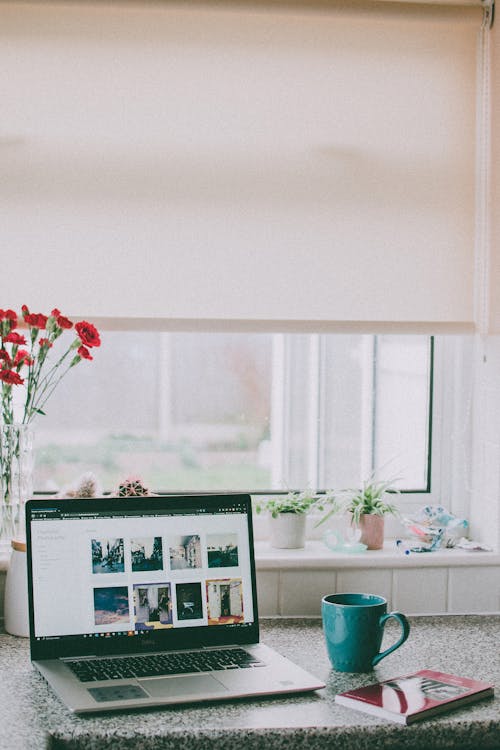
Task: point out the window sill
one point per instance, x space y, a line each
316 555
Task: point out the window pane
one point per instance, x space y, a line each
347 410
402 407
206 412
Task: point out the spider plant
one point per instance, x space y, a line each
297 502
371 499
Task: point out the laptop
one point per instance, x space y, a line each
139 602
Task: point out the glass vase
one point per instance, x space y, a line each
16 480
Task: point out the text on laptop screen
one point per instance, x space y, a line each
125 572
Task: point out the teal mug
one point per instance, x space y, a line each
353 625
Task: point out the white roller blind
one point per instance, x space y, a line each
264 167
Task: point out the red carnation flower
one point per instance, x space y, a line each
14 338
45 342
89 335
55 312
35 320
22 357
40 320
63 322
10 377
84 352
5 356
10 315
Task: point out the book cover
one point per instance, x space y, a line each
416 696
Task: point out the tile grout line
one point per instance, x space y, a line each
280 593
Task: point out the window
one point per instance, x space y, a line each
238 411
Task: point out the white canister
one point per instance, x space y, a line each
16 592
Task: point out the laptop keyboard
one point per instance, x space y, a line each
155 665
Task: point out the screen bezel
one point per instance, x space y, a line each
160 640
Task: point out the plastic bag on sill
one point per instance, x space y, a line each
434 527
472 546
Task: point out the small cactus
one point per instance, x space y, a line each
84 487
87 486
132 487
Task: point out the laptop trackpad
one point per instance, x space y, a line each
172 687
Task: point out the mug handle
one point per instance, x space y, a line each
405 632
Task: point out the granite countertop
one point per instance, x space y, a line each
32 717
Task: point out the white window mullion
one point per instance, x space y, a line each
323 453
313 443
165 402
368 397
279 412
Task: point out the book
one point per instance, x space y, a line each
415 696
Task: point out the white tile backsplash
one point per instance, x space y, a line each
420 592
364 581
414 591
267 592
474 590
301 592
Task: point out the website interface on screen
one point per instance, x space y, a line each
127 573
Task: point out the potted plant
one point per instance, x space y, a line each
287 516
367 507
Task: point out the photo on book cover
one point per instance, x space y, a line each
421 692
408 695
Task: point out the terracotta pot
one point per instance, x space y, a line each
288 530
372 530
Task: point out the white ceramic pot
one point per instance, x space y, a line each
16 592
288 530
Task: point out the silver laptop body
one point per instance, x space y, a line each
149 601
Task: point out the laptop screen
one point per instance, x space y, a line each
128 574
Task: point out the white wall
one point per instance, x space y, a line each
485 499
